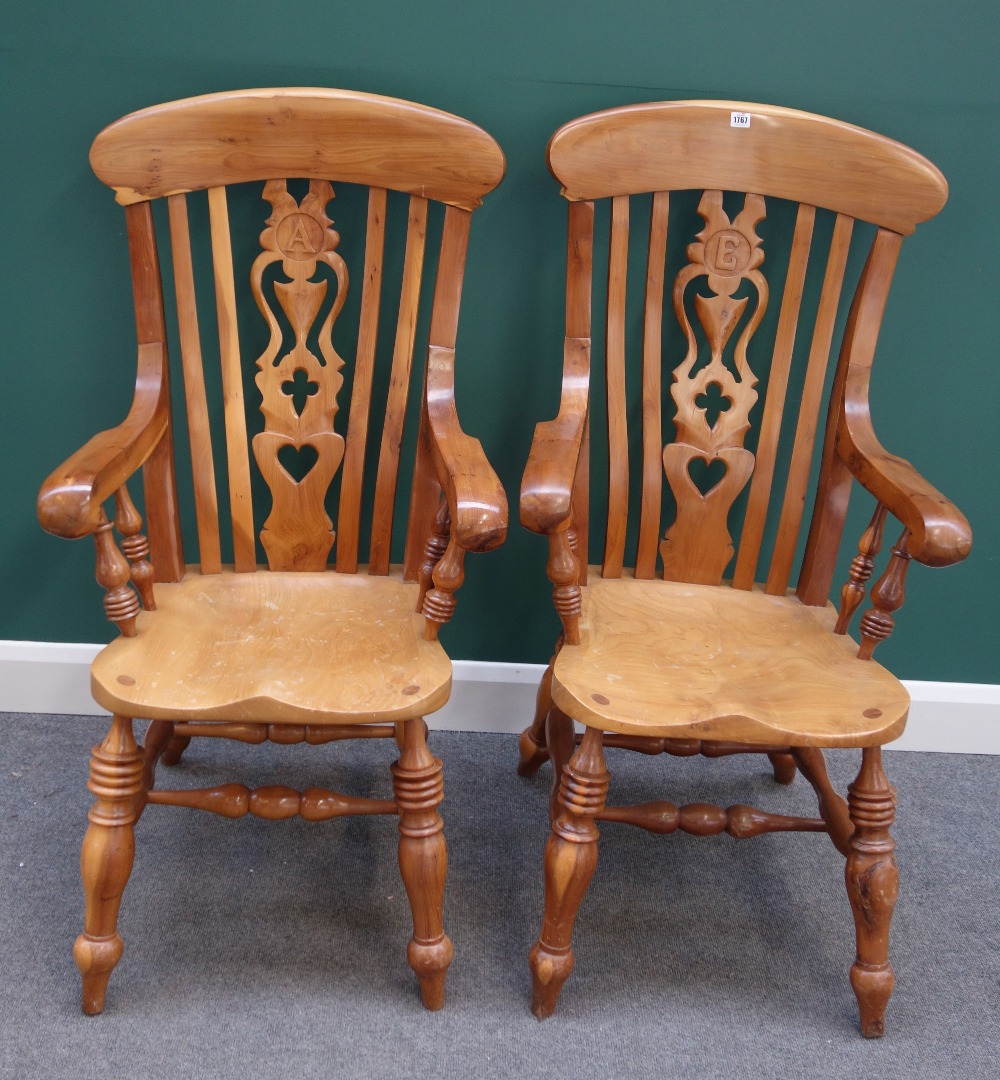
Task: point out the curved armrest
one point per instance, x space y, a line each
939 533
70 501
547 485
474 492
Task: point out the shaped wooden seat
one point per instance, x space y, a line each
671 660
277 648
776 231
332 640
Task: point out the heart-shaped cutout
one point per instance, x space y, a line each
707 475
298 461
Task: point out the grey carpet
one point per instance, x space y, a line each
278 949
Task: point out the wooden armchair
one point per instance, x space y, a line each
304 650
684 640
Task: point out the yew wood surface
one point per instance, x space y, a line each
296 652
70 501
199 425
676 145
314 133
690 663
665 659
281 648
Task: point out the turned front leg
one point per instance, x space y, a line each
423 859
116 779
570 861
872 884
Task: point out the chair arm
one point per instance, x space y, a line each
939 533
547 485
475 495
70 500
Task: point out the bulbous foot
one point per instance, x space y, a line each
96 958
549 970
430 964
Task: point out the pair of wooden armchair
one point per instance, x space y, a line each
658 652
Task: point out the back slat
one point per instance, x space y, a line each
202 460
159 475
857 349
652 428
777 385
237 450
812 394
614 549
402 360
357 428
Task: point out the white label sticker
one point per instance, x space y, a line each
739 119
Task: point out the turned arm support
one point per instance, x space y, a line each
547 486
475 495
70 501
939 533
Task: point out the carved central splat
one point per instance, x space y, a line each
298 451
707 466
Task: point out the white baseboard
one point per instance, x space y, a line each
41 677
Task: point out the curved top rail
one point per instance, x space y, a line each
676 145
312 133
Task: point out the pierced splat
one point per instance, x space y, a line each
298 451
300 388
714 403
707 466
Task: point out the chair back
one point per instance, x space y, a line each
289 391
798 227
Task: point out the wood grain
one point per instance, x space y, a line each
314 133
792 508
349 522
296 648
652 360
784 153
777 385
199 429
399 386
298 534
694 661
237 451
614 546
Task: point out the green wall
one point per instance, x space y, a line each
923 72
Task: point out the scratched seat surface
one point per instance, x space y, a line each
277 648
675 660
